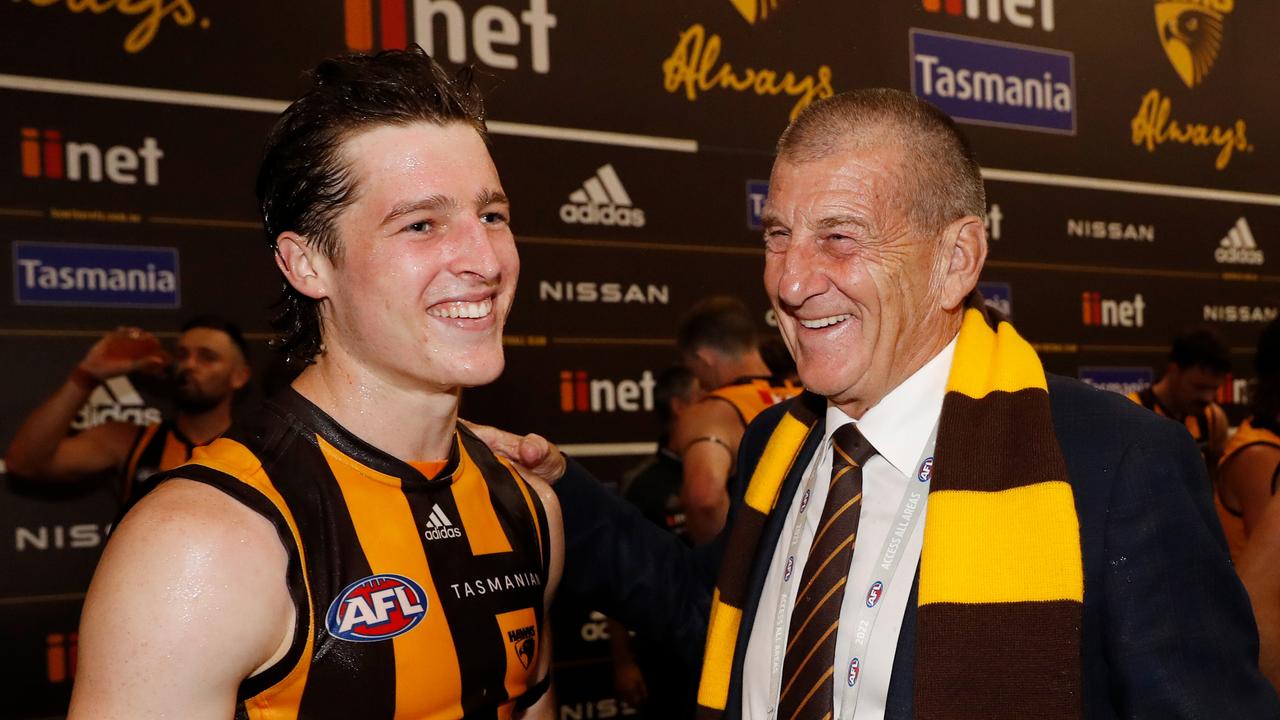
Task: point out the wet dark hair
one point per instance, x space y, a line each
1200 346
721 323
304 181
221 324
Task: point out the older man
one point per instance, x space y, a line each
936 528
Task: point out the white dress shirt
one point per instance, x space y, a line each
900 428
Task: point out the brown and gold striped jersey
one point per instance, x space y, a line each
158 447
750 396
416 597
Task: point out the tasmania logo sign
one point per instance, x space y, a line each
376 608
986 82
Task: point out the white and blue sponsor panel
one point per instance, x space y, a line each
1131 191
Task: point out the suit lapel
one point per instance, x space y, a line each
764 557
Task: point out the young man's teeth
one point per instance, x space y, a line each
823 322
470 310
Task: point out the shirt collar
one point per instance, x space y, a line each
899 425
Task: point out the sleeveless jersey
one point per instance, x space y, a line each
157 447
1232 519
750 396
1200 426
415 597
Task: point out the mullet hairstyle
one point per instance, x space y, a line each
938 176
304 182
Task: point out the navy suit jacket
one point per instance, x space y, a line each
1167 632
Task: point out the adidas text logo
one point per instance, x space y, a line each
602 201
439 527
1238 247
115 400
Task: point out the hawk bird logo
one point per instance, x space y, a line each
524 651
752 10
1191 33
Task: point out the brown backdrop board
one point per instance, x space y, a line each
1128 197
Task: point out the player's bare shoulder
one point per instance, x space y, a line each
191 587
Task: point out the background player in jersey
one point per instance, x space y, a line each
1198 363
209 368
350 551
717 340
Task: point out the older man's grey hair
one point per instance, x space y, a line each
939 177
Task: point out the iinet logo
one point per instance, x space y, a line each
1112 313
578 393
495 31
1016 12
44 154
1233 391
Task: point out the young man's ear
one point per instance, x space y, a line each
303 265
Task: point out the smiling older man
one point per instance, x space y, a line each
936 528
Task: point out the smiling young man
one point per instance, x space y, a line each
350 550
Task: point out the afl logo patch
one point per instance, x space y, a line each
926 470
791 563
854 668
804 501
873 595
376 608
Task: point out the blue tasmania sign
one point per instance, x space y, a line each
95 275
1123 380
995 83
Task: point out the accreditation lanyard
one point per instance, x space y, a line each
914 492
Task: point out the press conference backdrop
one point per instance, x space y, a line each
1129 149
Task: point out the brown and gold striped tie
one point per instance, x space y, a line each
811 645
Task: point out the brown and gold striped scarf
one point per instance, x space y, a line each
1001 581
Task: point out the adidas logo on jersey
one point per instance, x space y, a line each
1239 247
439 526
602 201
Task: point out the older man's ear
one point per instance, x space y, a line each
965 243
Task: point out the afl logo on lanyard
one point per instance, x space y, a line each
855 666
926 470
873 595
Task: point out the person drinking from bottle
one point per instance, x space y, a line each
208 368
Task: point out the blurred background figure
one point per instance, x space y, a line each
642 675
1251 460
1198 364
207 369
718 342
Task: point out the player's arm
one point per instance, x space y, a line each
1247 482
1220 430
707 437
189 599
545 707
41 448
1257 571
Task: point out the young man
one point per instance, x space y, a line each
350 551
209 368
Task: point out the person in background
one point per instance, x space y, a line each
718 341
642 675
1250 465
1198 363
209 367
